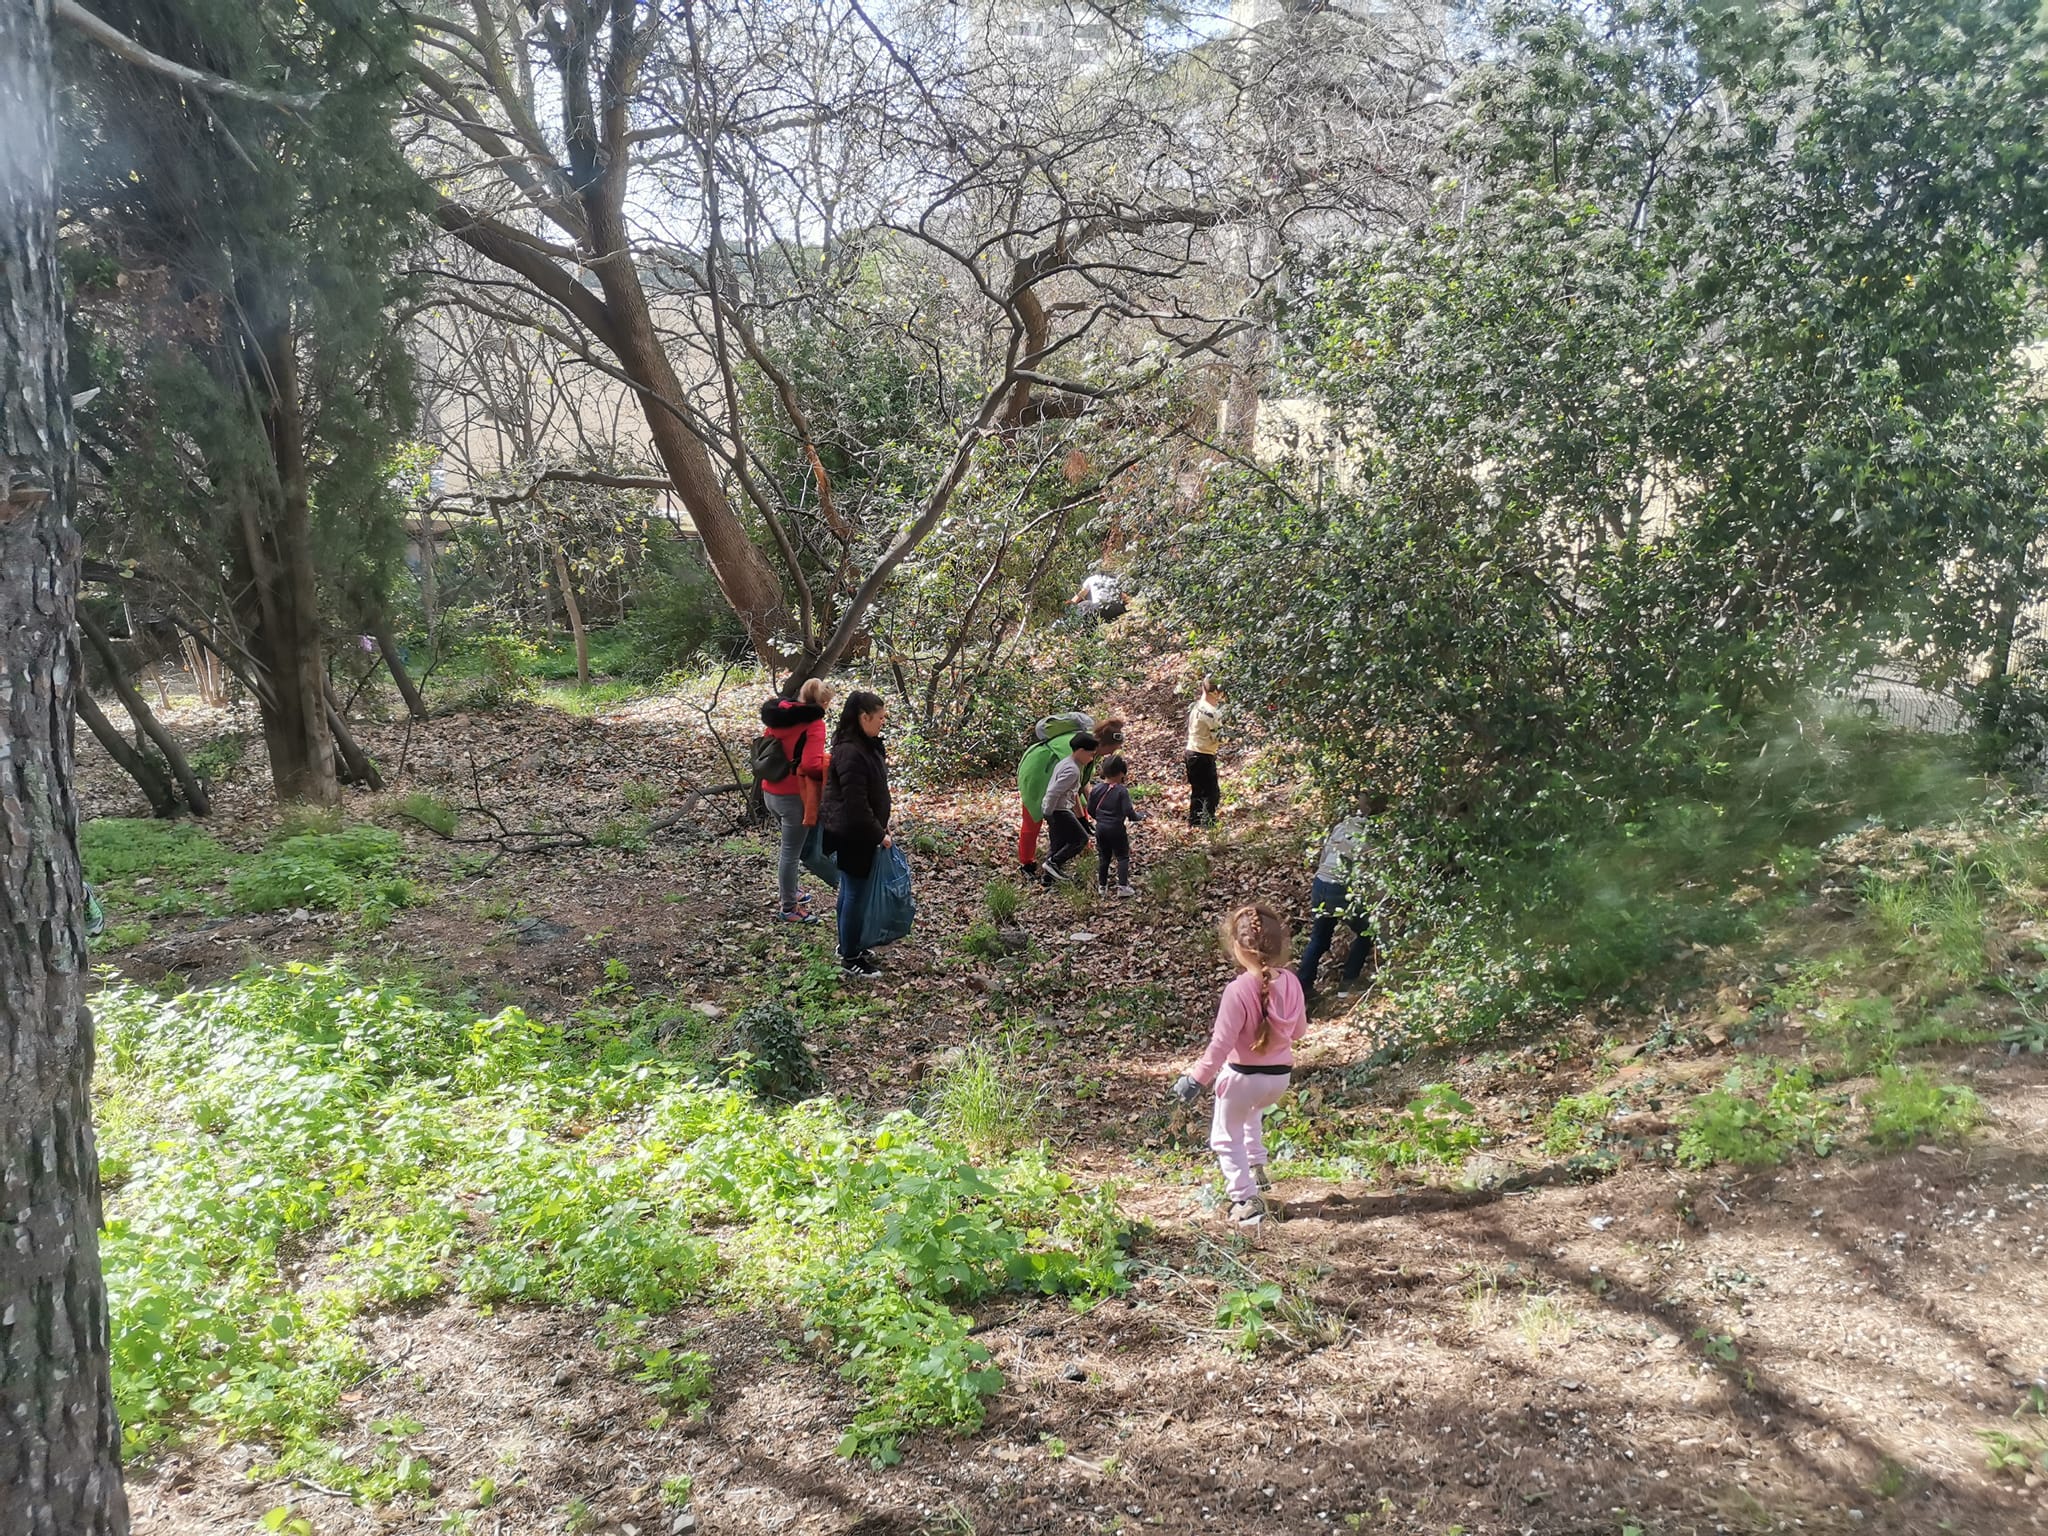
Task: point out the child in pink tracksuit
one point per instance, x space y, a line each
1250 1058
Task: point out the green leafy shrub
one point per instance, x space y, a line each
1910 1105
1246 1312
767 1054
326 871
675 615
1436 1127
1730 1124
220 757
424 1148
983 941
1862 1031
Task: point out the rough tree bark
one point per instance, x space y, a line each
145 720
60 1443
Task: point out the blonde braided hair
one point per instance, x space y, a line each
1256 938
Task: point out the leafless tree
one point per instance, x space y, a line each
686 194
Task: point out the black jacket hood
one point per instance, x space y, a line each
780 714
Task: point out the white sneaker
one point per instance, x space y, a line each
1248 1213
1260 1177
1127 890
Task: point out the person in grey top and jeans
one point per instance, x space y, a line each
1331 902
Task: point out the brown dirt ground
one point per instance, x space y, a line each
1813 1348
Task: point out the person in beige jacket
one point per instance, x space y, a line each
1205 738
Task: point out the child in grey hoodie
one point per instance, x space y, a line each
1109 803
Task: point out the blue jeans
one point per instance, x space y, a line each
853 898
1329 903
800 848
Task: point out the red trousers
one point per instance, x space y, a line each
1027 835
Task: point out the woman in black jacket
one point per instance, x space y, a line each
855 816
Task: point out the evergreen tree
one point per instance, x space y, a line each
236 285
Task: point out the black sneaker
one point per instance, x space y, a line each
860 965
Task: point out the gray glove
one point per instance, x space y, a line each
1186 1089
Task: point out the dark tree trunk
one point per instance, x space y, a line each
387 647
60 1444
2005 625
163 800
354 763
145 720
286 636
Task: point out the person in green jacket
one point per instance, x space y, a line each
1053 740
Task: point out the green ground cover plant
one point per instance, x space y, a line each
340 870
182 864
1910 1105
415 1148
1760 1115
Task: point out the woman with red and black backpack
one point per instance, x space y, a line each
798 726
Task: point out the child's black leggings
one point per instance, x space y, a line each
1112 843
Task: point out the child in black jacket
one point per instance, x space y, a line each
1110 807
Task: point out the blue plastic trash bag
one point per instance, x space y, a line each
890 907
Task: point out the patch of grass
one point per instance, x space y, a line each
1938 922
423 1149
309 821
1574 1123
643 796
1546 1322
979 1099
1732 1124
1863 1032
597 699
628 834
1910 1105
430 811
1003 899
126 935
928 844
158 867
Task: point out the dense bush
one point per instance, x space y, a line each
1633 442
